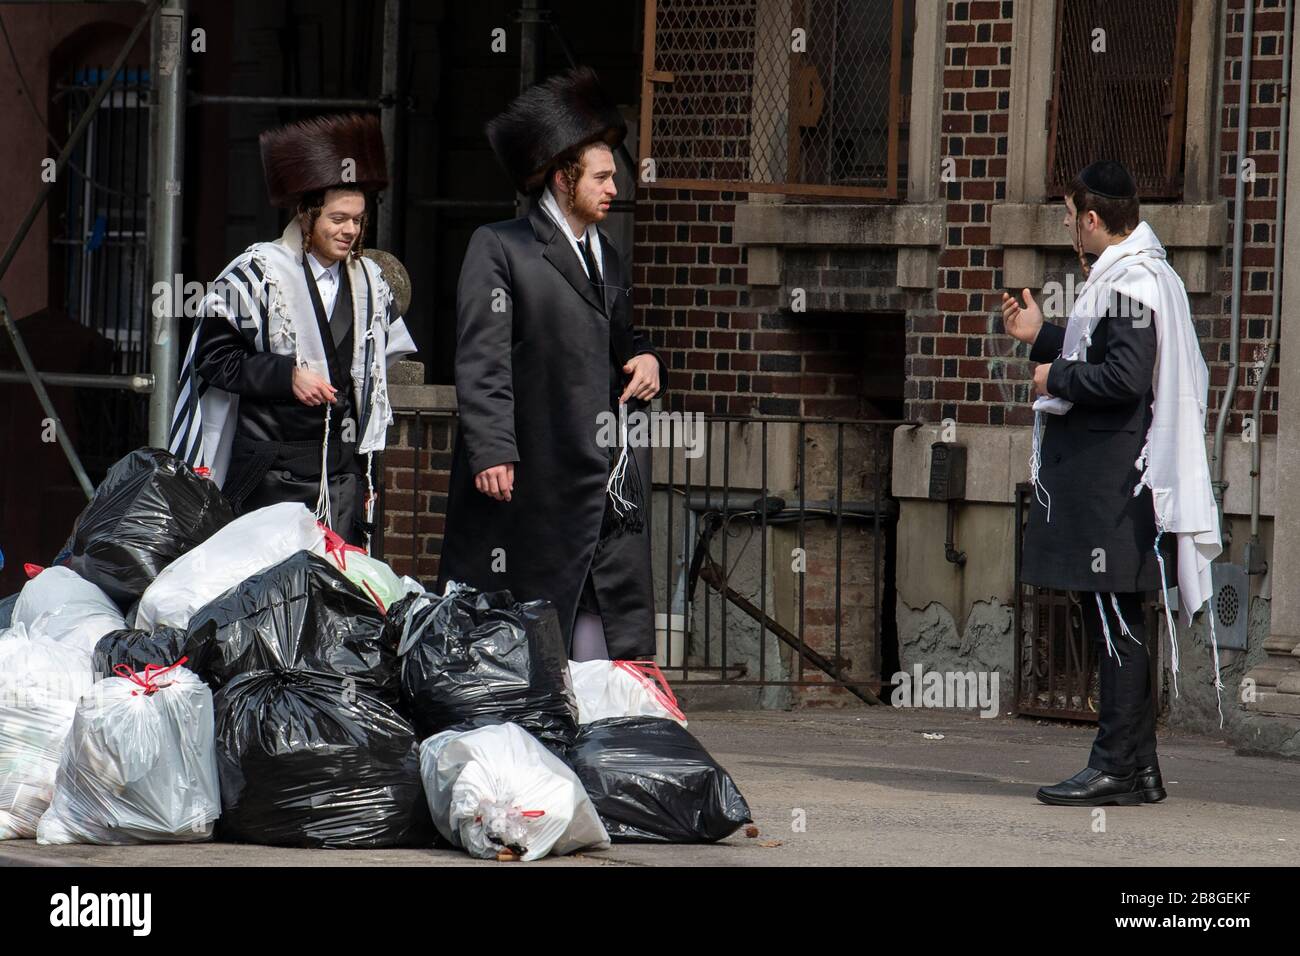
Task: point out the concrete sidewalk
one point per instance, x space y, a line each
872 790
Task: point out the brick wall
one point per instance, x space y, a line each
417 467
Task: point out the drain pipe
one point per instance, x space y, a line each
1238 237
1255 563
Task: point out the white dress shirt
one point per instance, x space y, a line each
552 207
327 281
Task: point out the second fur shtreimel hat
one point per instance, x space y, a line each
322 153
567 111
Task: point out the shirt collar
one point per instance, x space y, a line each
552 206
318 270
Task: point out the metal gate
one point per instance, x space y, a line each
1056 664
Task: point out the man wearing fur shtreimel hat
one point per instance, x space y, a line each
284 390
540 501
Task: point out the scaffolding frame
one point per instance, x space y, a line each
168 102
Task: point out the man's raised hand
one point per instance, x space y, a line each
496 482
1022 324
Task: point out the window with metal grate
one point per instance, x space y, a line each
802 97
1120 92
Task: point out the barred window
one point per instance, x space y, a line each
1120 92
803 97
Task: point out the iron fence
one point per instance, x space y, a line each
773 543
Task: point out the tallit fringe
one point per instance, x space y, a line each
322 511
1123 625
1105 629
1169 614
1035 463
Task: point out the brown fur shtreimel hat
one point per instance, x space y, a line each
314 154
568 110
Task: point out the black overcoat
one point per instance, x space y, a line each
1100 537
534 372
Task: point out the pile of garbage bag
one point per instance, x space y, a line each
271 684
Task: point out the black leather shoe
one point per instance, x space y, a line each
1093 788
1150 784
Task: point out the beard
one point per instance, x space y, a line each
588 208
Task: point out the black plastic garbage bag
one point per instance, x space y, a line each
149 510
137 649
7 611
473 653
301 612
651 781
305 760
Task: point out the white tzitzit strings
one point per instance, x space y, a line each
1035 462
1123 625
1169 614
614 486
322 511
1105 629
370 496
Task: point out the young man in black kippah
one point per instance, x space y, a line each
1093 525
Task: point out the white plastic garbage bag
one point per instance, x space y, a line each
61 605
248 545
40 683
139 765
497 787
622 689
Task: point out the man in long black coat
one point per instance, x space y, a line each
1088 531
545 352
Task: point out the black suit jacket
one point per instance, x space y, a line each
1100 536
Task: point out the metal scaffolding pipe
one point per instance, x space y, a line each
309 102
167 136
42 396
131 383
1238 235
388 224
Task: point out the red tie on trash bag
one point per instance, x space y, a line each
649 674
146 679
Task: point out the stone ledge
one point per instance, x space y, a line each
997 458
1193 234
1179 225
799 224
422 398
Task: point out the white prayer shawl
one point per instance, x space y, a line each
1173 461
275 313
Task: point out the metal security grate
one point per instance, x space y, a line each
1120 91
802 97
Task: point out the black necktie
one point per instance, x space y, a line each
592 272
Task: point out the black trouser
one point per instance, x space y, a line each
1126 724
